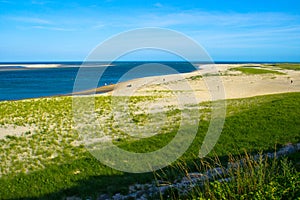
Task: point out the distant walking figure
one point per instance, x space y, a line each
291 81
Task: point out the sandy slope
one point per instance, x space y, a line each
227 84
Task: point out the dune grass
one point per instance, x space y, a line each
288 66
253 70
251 179
49 164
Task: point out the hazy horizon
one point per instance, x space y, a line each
80 61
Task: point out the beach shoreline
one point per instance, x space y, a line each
235 84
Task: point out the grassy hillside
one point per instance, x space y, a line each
48 163
254 70
288 66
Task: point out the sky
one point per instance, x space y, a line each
235 30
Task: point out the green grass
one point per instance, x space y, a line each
289 66
253 66
197 77
252 70
252 179
46 164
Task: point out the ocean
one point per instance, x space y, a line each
25 80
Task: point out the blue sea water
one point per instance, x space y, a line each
17 82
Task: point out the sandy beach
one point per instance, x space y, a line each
210 82
30 66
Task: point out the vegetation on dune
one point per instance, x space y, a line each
255 66
253 70
288 66
251 179
51 163
196 77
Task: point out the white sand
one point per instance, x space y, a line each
235 84
12 130
32 65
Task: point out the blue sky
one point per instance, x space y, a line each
48 30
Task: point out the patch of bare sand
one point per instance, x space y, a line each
12 130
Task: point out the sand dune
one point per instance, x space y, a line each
210 83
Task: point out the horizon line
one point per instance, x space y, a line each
80 61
